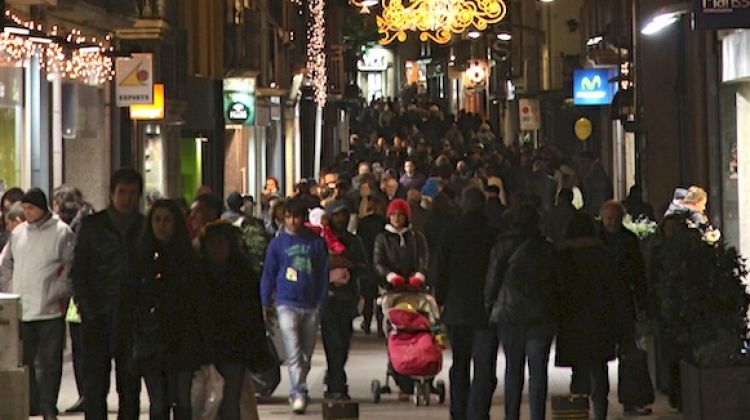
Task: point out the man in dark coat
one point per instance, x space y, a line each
103 267
636 207
521 297
631 285
340 307
587 332
558 218
542 186
460 268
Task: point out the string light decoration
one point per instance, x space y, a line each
316 53
72 56
436 20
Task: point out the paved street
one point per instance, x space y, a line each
367 361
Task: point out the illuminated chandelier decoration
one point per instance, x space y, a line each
436 20
72 56
316 53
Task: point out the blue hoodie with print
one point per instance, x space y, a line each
296 270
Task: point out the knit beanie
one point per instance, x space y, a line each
235 201
401 206
36 197
315 216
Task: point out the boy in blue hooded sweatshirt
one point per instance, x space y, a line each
295 275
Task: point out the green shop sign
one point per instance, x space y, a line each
239 101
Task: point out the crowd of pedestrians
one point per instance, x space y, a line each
504 235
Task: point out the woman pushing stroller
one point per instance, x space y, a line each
401 257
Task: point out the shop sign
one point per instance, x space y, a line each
134 80
591 87
528 111
239 101
153 111
721 14
374 59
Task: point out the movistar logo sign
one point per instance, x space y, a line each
591 84
592 87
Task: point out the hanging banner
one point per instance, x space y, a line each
134 80
721 14
239 101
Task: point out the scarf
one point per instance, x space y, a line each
404 231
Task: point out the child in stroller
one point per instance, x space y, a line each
415 344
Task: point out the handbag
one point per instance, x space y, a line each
634 382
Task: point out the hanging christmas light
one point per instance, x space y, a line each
436 20
316 54
72 56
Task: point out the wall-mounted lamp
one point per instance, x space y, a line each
665 17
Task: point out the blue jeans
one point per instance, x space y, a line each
522 344
298 329
484 356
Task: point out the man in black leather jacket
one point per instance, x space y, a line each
103 272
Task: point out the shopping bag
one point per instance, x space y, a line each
273 330
634 383
248 403
267 376
206 393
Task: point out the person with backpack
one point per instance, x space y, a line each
521 298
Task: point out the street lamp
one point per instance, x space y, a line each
504 36
665 17
474 34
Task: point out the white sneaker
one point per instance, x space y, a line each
299 404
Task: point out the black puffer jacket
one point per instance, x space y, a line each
460 268
521 283
104 268
404 254
588 325
169 329
237 329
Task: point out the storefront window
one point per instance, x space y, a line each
10 126
730 222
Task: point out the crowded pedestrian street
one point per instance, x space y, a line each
367 361
374 209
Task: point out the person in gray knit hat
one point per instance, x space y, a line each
36 264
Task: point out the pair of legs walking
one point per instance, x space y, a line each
170 392
592 379
298 328
472 398
43 354
336 329
103 343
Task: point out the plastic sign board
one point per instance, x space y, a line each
591 87
134 80
239 101
528 112
154 111
721 14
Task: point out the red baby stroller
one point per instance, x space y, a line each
415 347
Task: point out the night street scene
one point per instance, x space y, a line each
374 209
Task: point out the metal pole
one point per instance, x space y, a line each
318 139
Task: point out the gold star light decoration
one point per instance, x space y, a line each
436 20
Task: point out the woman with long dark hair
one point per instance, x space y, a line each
237 330
168 341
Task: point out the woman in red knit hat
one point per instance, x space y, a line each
401 257
401 254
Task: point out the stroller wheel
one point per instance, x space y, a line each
426 388
375 389
440 390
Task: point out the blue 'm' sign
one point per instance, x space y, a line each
721 14
591 87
